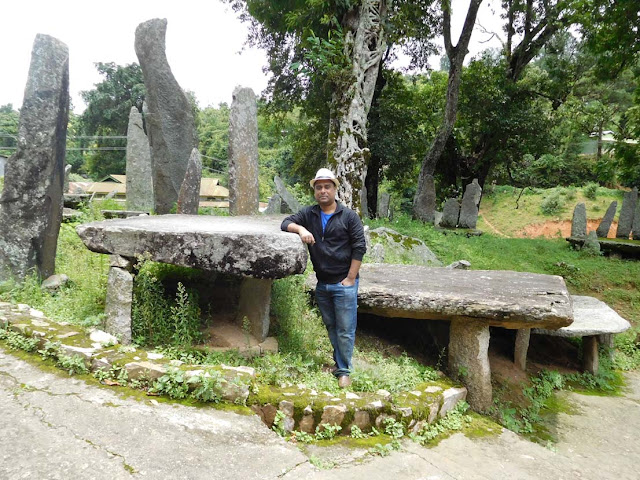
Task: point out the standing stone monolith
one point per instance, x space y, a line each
67 171
31 202
605 225
189 197
425 204
469 208
139 172
290 203
625 220
591 244
243 153
384 206
170 121
635 228
579 221
450 213
274 207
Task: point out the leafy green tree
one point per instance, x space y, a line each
9 119
404 120
213 132
107 115
455 55
325 58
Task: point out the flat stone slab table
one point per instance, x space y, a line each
595 322
252 247
472 300
621 246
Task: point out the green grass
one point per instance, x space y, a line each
81 301
499 208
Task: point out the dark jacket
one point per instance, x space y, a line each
343 240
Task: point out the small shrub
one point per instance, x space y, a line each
302 437
454 420
173 384
590 190
72 364
156 318
393 428
326 431
552 204
208 388
278 424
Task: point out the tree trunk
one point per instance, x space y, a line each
364 44
372 179
422 208
599 150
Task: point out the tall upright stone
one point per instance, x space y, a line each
32 200
579 221
170 121
469 208
384 206
625 220
189 197
243 153
275 205
290 203
605 225
67 171
139 173
450 213
635 229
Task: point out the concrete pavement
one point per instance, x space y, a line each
58 427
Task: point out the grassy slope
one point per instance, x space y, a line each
499 208
613 280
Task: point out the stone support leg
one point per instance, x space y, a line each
469 361
590 361
521 348
118 304
255 301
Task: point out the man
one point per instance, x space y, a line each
335 238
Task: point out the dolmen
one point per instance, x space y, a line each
251 247
472 300
596 323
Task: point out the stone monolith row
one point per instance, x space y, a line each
139 172
243 153
469 208
625 220
170 120
189 197
450 213
605 225
32 200
290 203
579 221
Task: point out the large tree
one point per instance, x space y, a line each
423 204
107 115
325 55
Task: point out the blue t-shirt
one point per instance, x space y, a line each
325 218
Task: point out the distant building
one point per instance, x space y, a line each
212 194
3 161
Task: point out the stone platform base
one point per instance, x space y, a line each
304 409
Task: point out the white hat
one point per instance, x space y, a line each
324 174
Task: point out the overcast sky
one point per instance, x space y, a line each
204 43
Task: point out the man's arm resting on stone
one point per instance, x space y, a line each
305 235
354 268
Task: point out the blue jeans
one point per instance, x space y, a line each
339 308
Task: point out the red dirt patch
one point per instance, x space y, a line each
560 228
